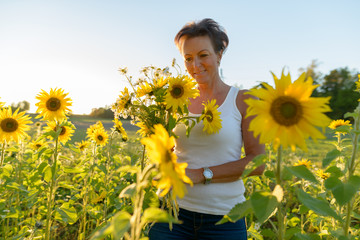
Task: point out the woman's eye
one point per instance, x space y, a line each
203 55
188 59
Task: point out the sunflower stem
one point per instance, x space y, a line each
143 159
107 172
136 226
2 153
280 216
351 165
51 194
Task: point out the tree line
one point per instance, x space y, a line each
339 84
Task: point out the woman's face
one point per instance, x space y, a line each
200 59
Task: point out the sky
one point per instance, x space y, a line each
80 45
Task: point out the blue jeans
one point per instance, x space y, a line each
199 226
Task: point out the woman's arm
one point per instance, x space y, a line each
232 171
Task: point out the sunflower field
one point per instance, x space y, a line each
108 185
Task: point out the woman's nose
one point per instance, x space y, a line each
196 63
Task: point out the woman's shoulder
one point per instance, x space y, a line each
241 96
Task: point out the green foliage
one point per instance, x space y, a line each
339 84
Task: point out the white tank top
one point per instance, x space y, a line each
201 149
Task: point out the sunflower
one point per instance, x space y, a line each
358 83
120 129
181 88
100 136
323 175
304 162
2 104
171 173
67 130
37 144
144 89
93 127
82 145
159 82
211 117
287 114
338 123
53 105
122 102
144 130
13 126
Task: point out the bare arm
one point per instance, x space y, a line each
231 171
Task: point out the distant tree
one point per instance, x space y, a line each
311 71
102 112
340 85
23 106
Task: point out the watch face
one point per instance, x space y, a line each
208 173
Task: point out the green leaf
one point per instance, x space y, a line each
290 232
264 205
343 192
102 168
303 209
351 114
355 182
153 214
269 174
334 171
239 211
330 156
42 166
319 206
47 174
307 236
172 122
66 185
342 129
121 224
256 162
66 213
74 170
7 170
331 183
103 232
302 172
16 186
270 234
129 191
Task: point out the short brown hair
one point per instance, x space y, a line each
206 27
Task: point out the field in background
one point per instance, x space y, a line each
82 122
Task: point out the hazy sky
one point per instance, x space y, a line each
78 45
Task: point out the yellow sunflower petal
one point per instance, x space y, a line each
54 105
287 115
13 126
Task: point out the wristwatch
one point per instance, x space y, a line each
208 174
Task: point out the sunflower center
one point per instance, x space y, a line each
177 91
38 145
53 104
63 130
100 137
286 110
9 125
209 116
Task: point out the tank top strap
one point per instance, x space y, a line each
230 100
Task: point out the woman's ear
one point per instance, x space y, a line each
219 56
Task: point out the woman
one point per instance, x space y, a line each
214 160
